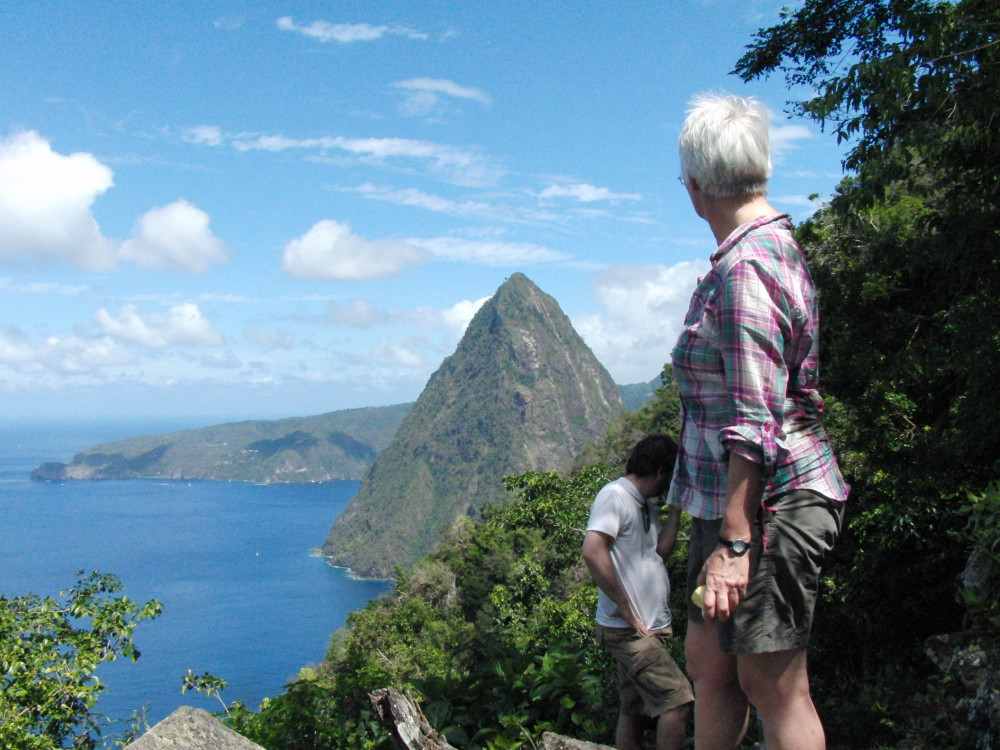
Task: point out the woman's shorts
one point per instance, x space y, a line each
791 538
649 681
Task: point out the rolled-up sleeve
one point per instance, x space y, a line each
753 322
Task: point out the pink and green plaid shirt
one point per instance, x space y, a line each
746 366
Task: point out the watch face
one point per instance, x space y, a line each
738 546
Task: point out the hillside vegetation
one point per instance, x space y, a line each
492 632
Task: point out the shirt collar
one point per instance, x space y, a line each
632 490
742 231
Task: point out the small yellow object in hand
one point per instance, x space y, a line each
698 597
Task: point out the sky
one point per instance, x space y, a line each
237 209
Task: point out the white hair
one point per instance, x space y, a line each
725 145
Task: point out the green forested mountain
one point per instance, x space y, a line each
521 392
336 445
635 395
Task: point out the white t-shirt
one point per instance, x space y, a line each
617 512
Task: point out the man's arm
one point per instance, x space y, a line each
597 556
668 534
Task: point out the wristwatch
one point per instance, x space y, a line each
737 546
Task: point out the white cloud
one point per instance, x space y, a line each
644 311
423 350
358 313
401 354
174 237
458 317
72 356
229 23
44 287
45 204
803 205
207 135
330 251
453 320
463 167
363 314
17 353
345 33
228 361
419 199
281 339
424 95
444 86
500 210
279 143
587 193
182 325
784 139
493 253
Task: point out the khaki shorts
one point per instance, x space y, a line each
776 615
649 681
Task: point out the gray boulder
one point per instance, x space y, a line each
552 741
192 729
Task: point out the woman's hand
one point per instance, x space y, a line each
726 574
725 577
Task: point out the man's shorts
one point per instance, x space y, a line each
799 529
649 681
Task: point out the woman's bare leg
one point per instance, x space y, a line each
778 686
721 711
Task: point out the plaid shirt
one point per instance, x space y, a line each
746 366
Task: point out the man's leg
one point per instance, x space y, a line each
778 686
721 712
628 733
671 728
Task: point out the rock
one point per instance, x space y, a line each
192 729
406 723
974 698
978 578
551 741
410 729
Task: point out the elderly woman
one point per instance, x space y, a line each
754 468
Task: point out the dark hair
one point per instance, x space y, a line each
652 453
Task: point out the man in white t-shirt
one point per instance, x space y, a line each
625 549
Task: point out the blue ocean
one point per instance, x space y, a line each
244 594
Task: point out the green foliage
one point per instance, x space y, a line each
981 589
492 633
49 651
208 684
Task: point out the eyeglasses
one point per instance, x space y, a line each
645 516
682 181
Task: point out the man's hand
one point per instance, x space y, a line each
725 577
597 556
625 612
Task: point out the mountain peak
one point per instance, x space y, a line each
521 392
